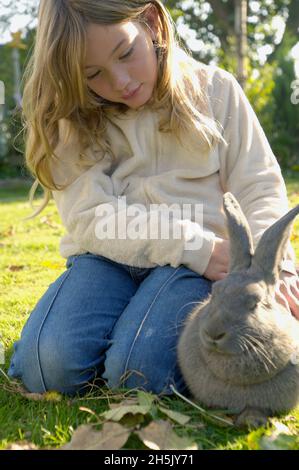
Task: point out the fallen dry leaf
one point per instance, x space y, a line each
159 435
175 415
22 445
9 232
126 402
118 412
47 396
112 437
15 267
47 220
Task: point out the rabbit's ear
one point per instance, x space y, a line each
271 247
241 246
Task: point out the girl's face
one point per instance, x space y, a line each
121 58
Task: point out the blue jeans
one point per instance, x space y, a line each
102 319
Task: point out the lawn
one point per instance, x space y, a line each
29 262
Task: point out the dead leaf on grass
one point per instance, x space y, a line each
47 220
13 267
175 415
159 435
22 445
47 396
9 232
118 412
112 437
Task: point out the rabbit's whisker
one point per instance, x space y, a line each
243 346
249 349
260 352
260 345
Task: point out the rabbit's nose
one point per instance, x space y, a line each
214 338
218 337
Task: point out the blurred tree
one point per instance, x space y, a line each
213 22
241 37
285 114
9 8
268 84
12 145
16 45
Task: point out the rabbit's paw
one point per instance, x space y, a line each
251 418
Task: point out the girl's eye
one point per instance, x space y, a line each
123 57
127 54
93 76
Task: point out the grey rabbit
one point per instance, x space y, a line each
239 350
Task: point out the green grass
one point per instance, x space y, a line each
29 262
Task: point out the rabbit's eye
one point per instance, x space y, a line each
252 302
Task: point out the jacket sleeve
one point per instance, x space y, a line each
249 168
102 223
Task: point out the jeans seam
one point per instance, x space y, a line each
146 315
132 274
42 324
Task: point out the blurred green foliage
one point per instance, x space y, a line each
11 139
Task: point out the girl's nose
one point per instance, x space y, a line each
120 80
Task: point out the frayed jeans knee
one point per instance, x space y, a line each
105 319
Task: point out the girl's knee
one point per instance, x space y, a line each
47 365
23 366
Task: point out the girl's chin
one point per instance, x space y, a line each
141 102
137 100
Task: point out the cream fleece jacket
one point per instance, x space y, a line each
154 168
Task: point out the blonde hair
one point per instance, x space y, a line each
56 89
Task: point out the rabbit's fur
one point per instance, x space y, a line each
239 350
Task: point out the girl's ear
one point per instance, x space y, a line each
271 248
151 16
241 246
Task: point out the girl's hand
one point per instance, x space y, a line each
219 262
287 292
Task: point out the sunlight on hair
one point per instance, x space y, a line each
56 89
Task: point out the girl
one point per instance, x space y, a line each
120 122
